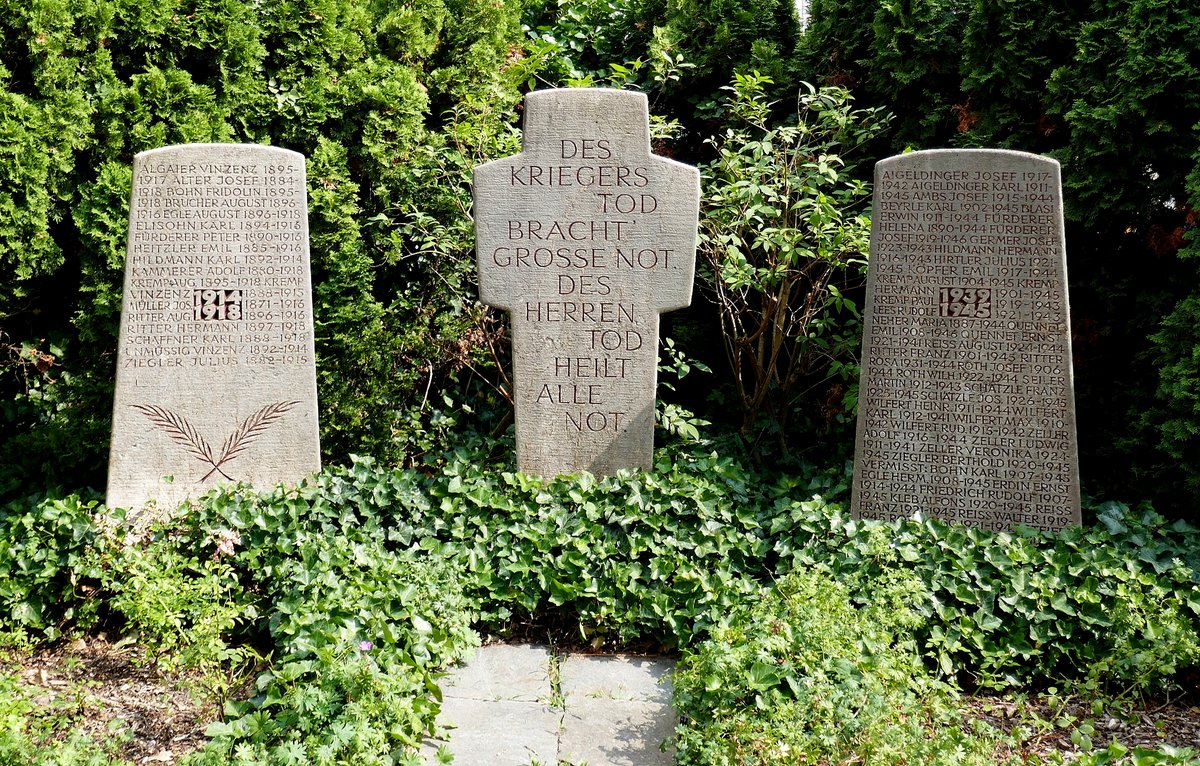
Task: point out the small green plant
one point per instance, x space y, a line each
672 418
359 630
36 731
48 568
185 610
1116 754
803 676
343 704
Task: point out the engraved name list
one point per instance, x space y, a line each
966 403
218 269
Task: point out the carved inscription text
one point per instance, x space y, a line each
966 403
585 237
218 274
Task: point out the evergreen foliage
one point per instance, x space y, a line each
1008 55
361 90
1109 88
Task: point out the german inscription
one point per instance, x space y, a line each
585 238
215 374
966 408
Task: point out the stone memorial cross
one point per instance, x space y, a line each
966 403
216 379
585 237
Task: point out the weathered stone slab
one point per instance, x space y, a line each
585 238
605 732
966 402
515 672
497 732
638 679
216 380
618 710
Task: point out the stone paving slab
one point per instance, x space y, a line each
503 672
497 732
608 732
615 677
502 709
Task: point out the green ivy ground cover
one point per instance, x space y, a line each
343 599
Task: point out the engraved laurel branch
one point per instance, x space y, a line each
185 434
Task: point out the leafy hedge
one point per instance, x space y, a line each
805 676
1117 603
361 584
666 554
391 106
48 568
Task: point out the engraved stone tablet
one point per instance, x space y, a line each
585 237
966 404
215 374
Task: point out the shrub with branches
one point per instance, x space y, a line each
784 234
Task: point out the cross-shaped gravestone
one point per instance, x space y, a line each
585 237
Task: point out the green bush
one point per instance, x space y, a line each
719 39
1176 420
579 41
49 568
342 705
184 610
805 676
648 554
784 238
904 57
1114 605
357 631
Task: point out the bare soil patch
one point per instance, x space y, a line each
108 690
1045 726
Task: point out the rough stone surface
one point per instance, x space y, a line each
602 732
966 404
585 238
216 379
637 679
618 711
497 732
518 672
508 706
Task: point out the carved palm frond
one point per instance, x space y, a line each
185 434
179 429
251 428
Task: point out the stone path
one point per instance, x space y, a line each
523 706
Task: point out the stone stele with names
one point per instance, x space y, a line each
585 237
216 380
966 404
